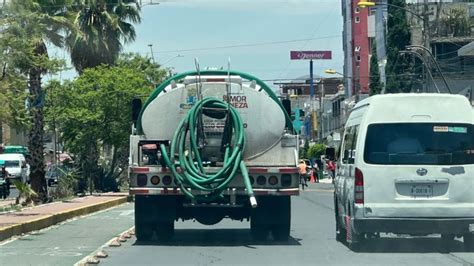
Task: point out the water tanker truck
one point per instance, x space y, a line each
208 145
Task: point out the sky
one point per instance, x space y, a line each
256 35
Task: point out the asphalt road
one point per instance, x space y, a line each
227 243
312 243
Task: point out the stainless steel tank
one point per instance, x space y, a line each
263 119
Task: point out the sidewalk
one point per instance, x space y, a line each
42 216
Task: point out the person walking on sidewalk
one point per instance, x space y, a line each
331 166
316 170
4 174
303 174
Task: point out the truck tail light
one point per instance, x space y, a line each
142 180
252 180
167 180
286 180
139 170
272 180
155 180
261 180
359 186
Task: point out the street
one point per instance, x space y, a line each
227 243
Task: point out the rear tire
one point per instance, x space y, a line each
354 240
340 231
165 231
281 228
258 231
469 242
273 214
447 237
446 241
143 224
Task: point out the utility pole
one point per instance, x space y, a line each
151 53
321 111
311 97
426 26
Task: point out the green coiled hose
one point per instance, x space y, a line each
188 168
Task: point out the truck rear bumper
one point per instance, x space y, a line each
415 225
177 191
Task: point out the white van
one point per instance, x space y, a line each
16 166
407 167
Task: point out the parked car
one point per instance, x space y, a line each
407 167
15 164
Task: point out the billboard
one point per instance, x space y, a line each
310 55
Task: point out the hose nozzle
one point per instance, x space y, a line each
253 201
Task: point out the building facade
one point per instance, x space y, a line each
356 45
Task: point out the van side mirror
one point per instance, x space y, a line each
136 108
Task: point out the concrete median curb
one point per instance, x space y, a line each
47 221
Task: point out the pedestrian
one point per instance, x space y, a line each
331 166
316 170
4 174
303 174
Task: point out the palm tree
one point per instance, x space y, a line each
36 22
101 28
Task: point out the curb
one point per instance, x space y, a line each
47 221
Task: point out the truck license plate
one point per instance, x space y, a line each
421 191
471 228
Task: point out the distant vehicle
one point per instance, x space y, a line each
16 166
407 167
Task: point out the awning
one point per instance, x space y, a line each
466 50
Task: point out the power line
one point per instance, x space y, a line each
248 44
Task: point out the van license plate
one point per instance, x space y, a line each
425 191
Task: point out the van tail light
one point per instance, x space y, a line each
359 186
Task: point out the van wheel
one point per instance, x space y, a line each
354 240
340 230
469 242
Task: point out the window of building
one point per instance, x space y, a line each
357 19
358 58
372 10
357 10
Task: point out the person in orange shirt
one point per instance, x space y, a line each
303 174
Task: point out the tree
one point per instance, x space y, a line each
374 86
316 150
398 37
93 112
152 72
100 28
30 24
456 21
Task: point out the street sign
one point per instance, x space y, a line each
310 55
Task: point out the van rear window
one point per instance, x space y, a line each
420 144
